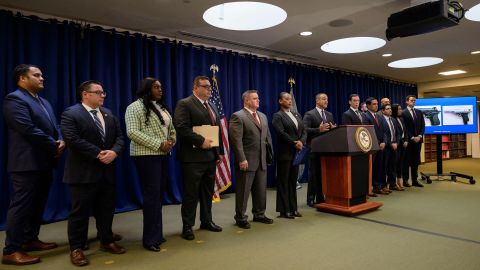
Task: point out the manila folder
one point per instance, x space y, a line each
208 132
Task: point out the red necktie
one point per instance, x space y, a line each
212 118
257 121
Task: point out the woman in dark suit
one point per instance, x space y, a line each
291 138
150 127
397 113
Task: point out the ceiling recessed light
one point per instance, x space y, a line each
244 16
452 72
475 52
415 62
306 33
386 54
353 45
473 14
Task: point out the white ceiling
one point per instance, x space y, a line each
328 20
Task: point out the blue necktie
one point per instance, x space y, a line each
98 124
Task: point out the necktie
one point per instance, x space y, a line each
98 124
323 116
212 118
257 121
414 115
359 116
392 127
37 98
375 118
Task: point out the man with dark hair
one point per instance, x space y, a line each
34 146
415 126
95 140
197 155
392 137
249 136
353 116
372 118
316 121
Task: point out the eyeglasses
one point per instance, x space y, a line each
206 86
99 93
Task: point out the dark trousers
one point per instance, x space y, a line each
96 197
400 160
25 212
314 190
286 186
378 176
198 184
412 160
152 173
389 159
256 183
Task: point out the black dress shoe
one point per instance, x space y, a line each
417 184
187 233
372 195
153 248
286 215
263 219
211 227
296 214
243 224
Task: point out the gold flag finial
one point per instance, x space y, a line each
291 81
214 69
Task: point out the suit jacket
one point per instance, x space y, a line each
248 140
414 128
287 133
369 120
402 130
349 117
190 112
387 135
32 133
312 120
84 143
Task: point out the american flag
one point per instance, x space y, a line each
223 177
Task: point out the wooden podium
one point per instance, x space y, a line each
346 165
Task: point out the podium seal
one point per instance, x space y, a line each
363 139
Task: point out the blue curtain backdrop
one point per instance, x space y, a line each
69 53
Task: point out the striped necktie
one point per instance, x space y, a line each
98 124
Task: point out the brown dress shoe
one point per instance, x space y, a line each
37 245
380 191
78 258
113 248
19 258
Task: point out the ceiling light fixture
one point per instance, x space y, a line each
244 16
473 14
353 45
452 72
305 33
415 62
386 54
475 52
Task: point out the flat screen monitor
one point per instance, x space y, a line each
449 115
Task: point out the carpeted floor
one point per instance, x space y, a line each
436 227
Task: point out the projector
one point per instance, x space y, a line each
424 18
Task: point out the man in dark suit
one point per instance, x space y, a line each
198 156
249 135
392 138
95 140
372 118
415 126
33 147
316 121
353 116
291 138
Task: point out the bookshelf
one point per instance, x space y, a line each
453 146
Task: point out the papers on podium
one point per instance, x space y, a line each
208 132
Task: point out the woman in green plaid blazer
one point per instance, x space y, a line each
150 129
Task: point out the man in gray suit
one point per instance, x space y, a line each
249 135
